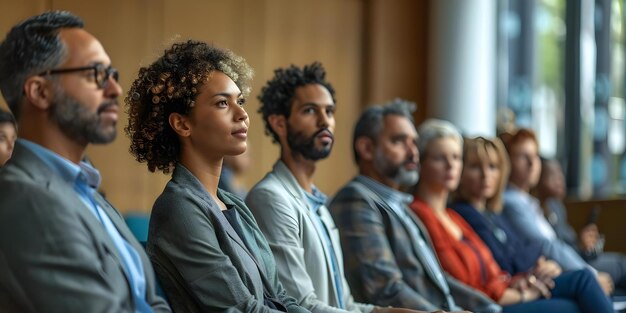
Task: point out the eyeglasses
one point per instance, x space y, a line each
101 74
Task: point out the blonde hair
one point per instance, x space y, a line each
480 146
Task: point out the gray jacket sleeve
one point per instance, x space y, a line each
521 218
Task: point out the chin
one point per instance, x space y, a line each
238 150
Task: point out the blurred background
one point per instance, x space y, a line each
556 66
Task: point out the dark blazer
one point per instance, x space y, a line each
202 263
55 255
512 254
382 264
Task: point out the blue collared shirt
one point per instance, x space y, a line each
86 179
316 200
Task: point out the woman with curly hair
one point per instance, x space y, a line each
185 114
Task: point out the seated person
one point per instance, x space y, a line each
297 105
8 135
550 192
185 114
523 212
466 257
480 204
388 256
63 247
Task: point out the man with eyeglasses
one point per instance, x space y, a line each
63 248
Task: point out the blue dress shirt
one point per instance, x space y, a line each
316 200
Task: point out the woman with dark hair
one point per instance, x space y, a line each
185 115
466 257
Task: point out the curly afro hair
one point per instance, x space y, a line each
277 95
171 85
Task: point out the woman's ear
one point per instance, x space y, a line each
37 93
180 124
278 123
364 146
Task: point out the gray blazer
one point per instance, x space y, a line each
55 256
202 263
304 265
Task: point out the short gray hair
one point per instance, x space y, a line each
370 123
31 47
432 129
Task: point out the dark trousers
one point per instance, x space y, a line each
574 292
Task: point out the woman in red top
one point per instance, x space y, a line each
463 254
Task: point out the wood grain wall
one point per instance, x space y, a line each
373 51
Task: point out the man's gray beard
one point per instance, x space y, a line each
398 174
406 177
77 122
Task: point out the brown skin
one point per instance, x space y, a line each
215 127
552 185
7 141
35 123
312 109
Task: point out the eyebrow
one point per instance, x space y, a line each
332 105
226 94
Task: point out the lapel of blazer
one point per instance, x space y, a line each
119 223
185 178
42 174
289 182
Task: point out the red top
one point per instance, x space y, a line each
469 259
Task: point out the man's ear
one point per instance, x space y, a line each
37 91
180 124
278 123
365 148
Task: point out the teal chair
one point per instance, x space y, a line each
138 223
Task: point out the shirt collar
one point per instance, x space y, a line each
386 192
68 171
316 198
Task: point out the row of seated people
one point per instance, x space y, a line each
66 249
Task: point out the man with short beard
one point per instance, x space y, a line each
389 258
63 248
298 107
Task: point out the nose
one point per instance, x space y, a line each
241 114
112 88
413 153
323 120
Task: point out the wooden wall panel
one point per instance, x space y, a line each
268 33
397 51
